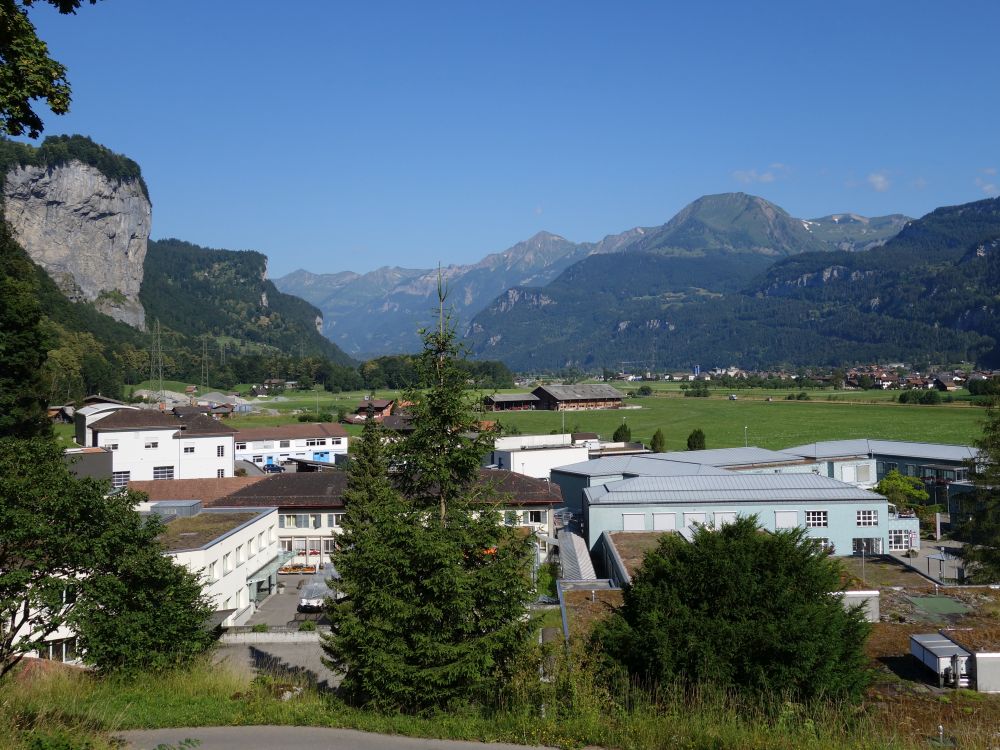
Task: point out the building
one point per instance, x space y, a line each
577 397
274 445
311 505
379 408
573 479
534 455
845 518
150 444
511 402
235 550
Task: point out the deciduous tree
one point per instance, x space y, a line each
982 532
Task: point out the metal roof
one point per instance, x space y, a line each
576 392
729 489
939 645
498 398
723 457
575 557
898 448
649 464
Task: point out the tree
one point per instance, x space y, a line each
139 610
64 546
902 491
982 531
696 440
28 73
742 609
659 442
623 434
435 586
23 343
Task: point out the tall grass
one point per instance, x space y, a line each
570 709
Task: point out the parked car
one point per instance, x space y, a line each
732 396
272 469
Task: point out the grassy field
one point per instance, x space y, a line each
769 424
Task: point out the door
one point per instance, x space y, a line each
321 456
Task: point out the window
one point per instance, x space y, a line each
721 519
867 546
258 459
112 446
152 444
535 516
251 547
899 540
824 543
270 534
315 441
260 541
241 446
220 473
189 449
284 443
817 519
849 474
911 470
690 519
865 474
286 545
891 467
880 468
786 519
212 570
335 441
664 521
300 521
334 519
634 521
62 650
329 545
220 451
867 518
227 562
163 472
239 555
120 478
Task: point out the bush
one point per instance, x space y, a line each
307 626
260 627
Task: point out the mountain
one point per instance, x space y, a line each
380 312
924 294
851 232
718 241
224 293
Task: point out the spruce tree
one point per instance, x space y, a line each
696 440
659 443
435 587
982 532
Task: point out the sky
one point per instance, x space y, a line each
337 136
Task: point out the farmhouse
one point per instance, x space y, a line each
576 397
511 402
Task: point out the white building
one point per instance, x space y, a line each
235 550
275 445
149 444
535 455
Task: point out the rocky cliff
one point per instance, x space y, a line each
87 230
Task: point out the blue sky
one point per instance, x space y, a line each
346 136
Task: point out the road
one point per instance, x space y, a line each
292 738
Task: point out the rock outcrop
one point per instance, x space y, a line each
87 231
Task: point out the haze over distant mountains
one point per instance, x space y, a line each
716 243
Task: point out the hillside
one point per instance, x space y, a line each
201 291
851 232
924 295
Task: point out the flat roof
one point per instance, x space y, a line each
939 645
979 640
898 448
196 532
632 546
731 489
292 432
647 464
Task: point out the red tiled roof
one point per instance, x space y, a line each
293 432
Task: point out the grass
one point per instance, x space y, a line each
774 424
577 711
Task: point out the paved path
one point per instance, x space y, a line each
294 738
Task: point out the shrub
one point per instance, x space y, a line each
307 626
260 627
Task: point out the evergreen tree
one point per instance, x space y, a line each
982 532
23 344
435 587
696 440
623 434
740 609
659 443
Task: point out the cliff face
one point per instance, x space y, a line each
87 231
